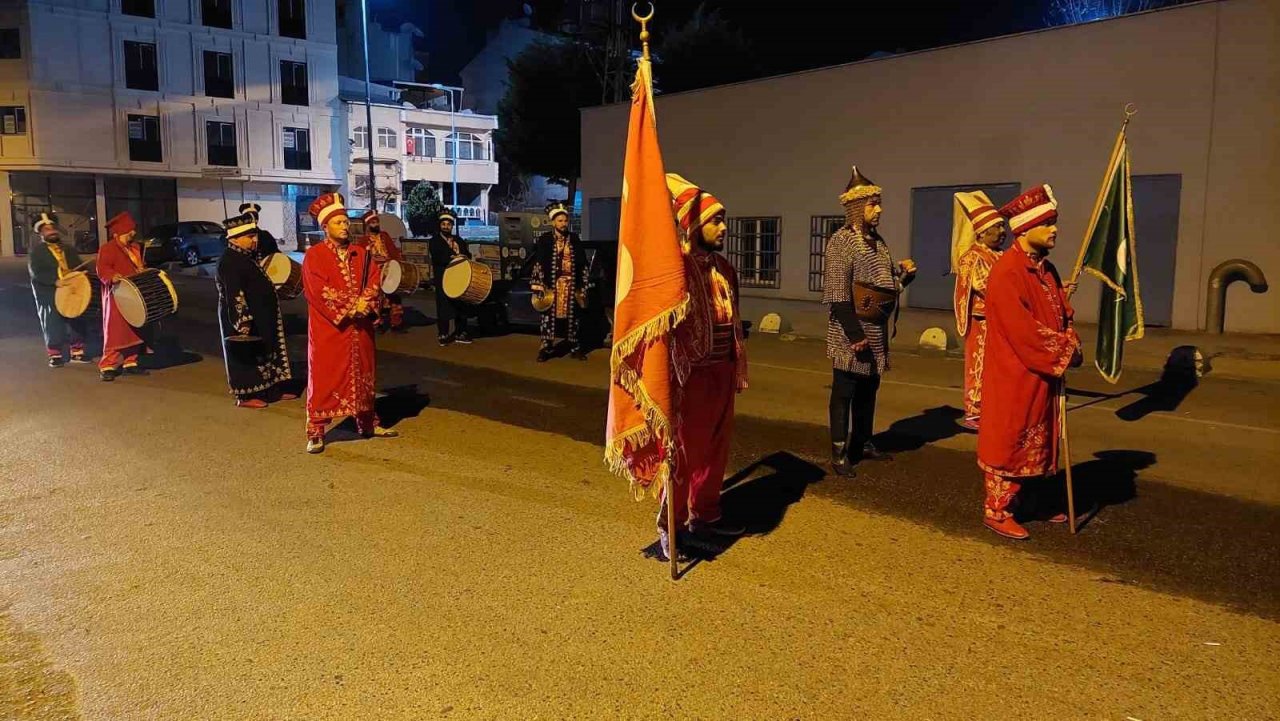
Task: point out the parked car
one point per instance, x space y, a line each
188 242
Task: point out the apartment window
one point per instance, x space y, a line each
293 83
754 250
360 137
219 76
10 44
140 66
297 149
13 120
386 138
221 138
420 143
139 8
144 138
821 227
293 18
216 13
469 146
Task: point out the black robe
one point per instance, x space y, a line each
247 305
561 321
42 266
447 309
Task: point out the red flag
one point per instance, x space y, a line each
651 299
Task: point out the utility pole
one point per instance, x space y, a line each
368 104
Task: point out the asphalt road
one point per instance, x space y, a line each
164 555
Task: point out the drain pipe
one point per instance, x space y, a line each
1222 276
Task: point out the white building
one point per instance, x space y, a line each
142 105
413 145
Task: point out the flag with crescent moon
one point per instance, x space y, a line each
651 299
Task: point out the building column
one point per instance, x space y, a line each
6 217
100 195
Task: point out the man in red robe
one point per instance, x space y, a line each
709 362
383 249
976 237
340 281
120 257
1030 345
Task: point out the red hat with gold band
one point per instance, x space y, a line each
324 208
1034 207
694 206
120 224
369 215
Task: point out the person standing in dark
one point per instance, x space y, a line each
861 284
444 246
253 337
48 264
560 269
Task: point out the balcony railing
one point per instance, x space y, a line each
468 212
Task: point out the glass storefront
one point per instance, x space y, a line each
70 196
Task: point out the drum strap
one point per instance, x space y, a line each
60 256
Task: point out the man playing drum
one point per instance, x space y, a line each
383 248
120 257
267 245
444 247
340 281
560 267
48 264
253 338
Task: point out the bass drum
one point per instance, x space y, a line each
467 281
79 292
392 272
145 297
285 273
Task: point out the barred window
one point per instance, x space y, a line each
821 227
754 249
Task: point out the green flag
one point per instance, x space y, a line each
1110 254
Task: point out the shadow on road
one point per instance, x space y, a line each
399 403
912 434
1148 533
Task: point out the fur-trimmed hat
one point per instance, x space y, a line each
242 224
557 208
859 187
43 220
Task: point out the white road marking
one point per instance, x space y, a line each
537 402
1087 406
442 381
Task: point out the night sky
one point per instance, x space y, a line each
790 36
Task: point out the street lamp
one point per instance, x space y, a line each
368 105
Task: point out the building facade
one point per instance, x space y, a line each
413 145
1002 115
171 109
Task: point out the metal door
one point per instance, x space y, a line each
931 217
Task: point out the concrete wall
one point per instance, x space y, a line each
201 199
1032 108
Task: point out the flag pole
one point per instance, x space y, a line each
1129 111
668 467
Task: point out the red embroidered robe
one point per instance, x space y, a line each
1030 344
970 305
340 347
116 260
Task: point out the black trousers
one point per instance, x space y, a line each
852 407
449 312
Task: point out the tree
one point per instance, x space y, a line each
703 52
421 208
1071 12
538 124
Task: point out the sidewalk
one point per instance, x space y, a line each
1236 355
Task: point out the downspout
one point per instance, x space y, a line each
1222 276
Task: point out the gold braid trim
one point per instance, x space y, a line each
858 193
656 425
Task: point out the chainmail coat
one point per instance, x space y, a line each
855 255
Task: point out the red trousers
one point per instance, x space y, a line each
365 423
703 439
116 359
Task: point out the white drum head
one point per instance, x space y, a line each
72 299
391 276
457 278
128 300
278 266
